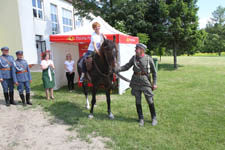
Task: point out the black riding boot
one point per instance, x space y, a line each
153 114
140 114
6 95
28 99
23 99
11 97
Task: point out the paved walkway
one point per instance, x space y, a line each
26 129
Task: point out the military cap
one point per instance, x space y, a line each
143 46
19 53
5 48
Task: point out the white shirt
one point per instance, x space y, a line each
69 65
45 63
98 39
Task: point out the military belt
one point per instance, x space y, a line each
139 73
21 72
5 69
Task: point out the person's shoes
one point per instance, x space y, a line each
7 103
11 98
154 122
23 99
6 95
81 79
141 122
28 99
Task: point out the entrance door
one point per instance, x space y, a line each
41 47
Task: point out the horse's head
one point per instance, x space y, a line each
109 51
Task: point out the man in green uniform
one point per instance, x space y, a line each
140 83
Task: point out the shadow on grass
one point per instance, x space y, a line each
38 97
69 112
168 67
104 116
38 87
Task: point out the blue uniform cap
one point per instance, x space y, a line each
5 48
143 46
19 53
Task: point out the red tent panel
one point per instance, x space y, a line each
124 39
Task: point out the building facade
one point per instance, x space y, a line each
26 25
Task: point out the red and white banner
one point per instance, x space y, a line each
125 39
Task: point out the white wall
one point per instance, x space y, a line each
27 30
126 51
10 34
18 27
59 51
43 27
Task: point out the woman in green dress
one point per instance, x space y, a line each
48 75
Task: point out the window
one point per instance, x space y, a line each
37 8
67 20
54 19
78 22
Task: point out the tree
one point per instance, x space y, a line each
218 16
128 12
183 25
157 18
160 52
143 38
168 23
215 41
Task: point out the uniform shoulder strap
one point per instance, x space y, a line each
18 63
6 60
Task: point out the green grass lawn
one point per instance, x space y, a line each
190 105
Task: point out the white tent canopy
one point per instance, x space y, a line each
70 42
87 29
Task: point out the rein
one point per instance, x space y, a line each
99 71
103 74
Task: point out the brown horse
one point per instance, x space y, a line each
101 73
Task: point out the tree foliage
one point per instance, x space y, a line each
215 40
168 23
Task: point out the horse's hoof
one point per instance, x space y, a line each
88 107
90 116
111 116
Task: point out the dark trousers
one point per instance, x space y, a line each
87 54
70 79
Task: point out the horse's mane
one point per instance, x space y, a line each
109 45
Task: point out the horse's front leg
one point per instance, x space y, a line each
93 101
111 116
86 95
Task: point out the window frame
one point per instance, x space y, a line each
64 10
57 19
37 9
78 19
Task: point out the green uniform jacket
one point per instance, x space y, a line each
141 82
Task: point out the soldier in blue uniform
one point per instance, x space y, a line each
6 79
22 77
